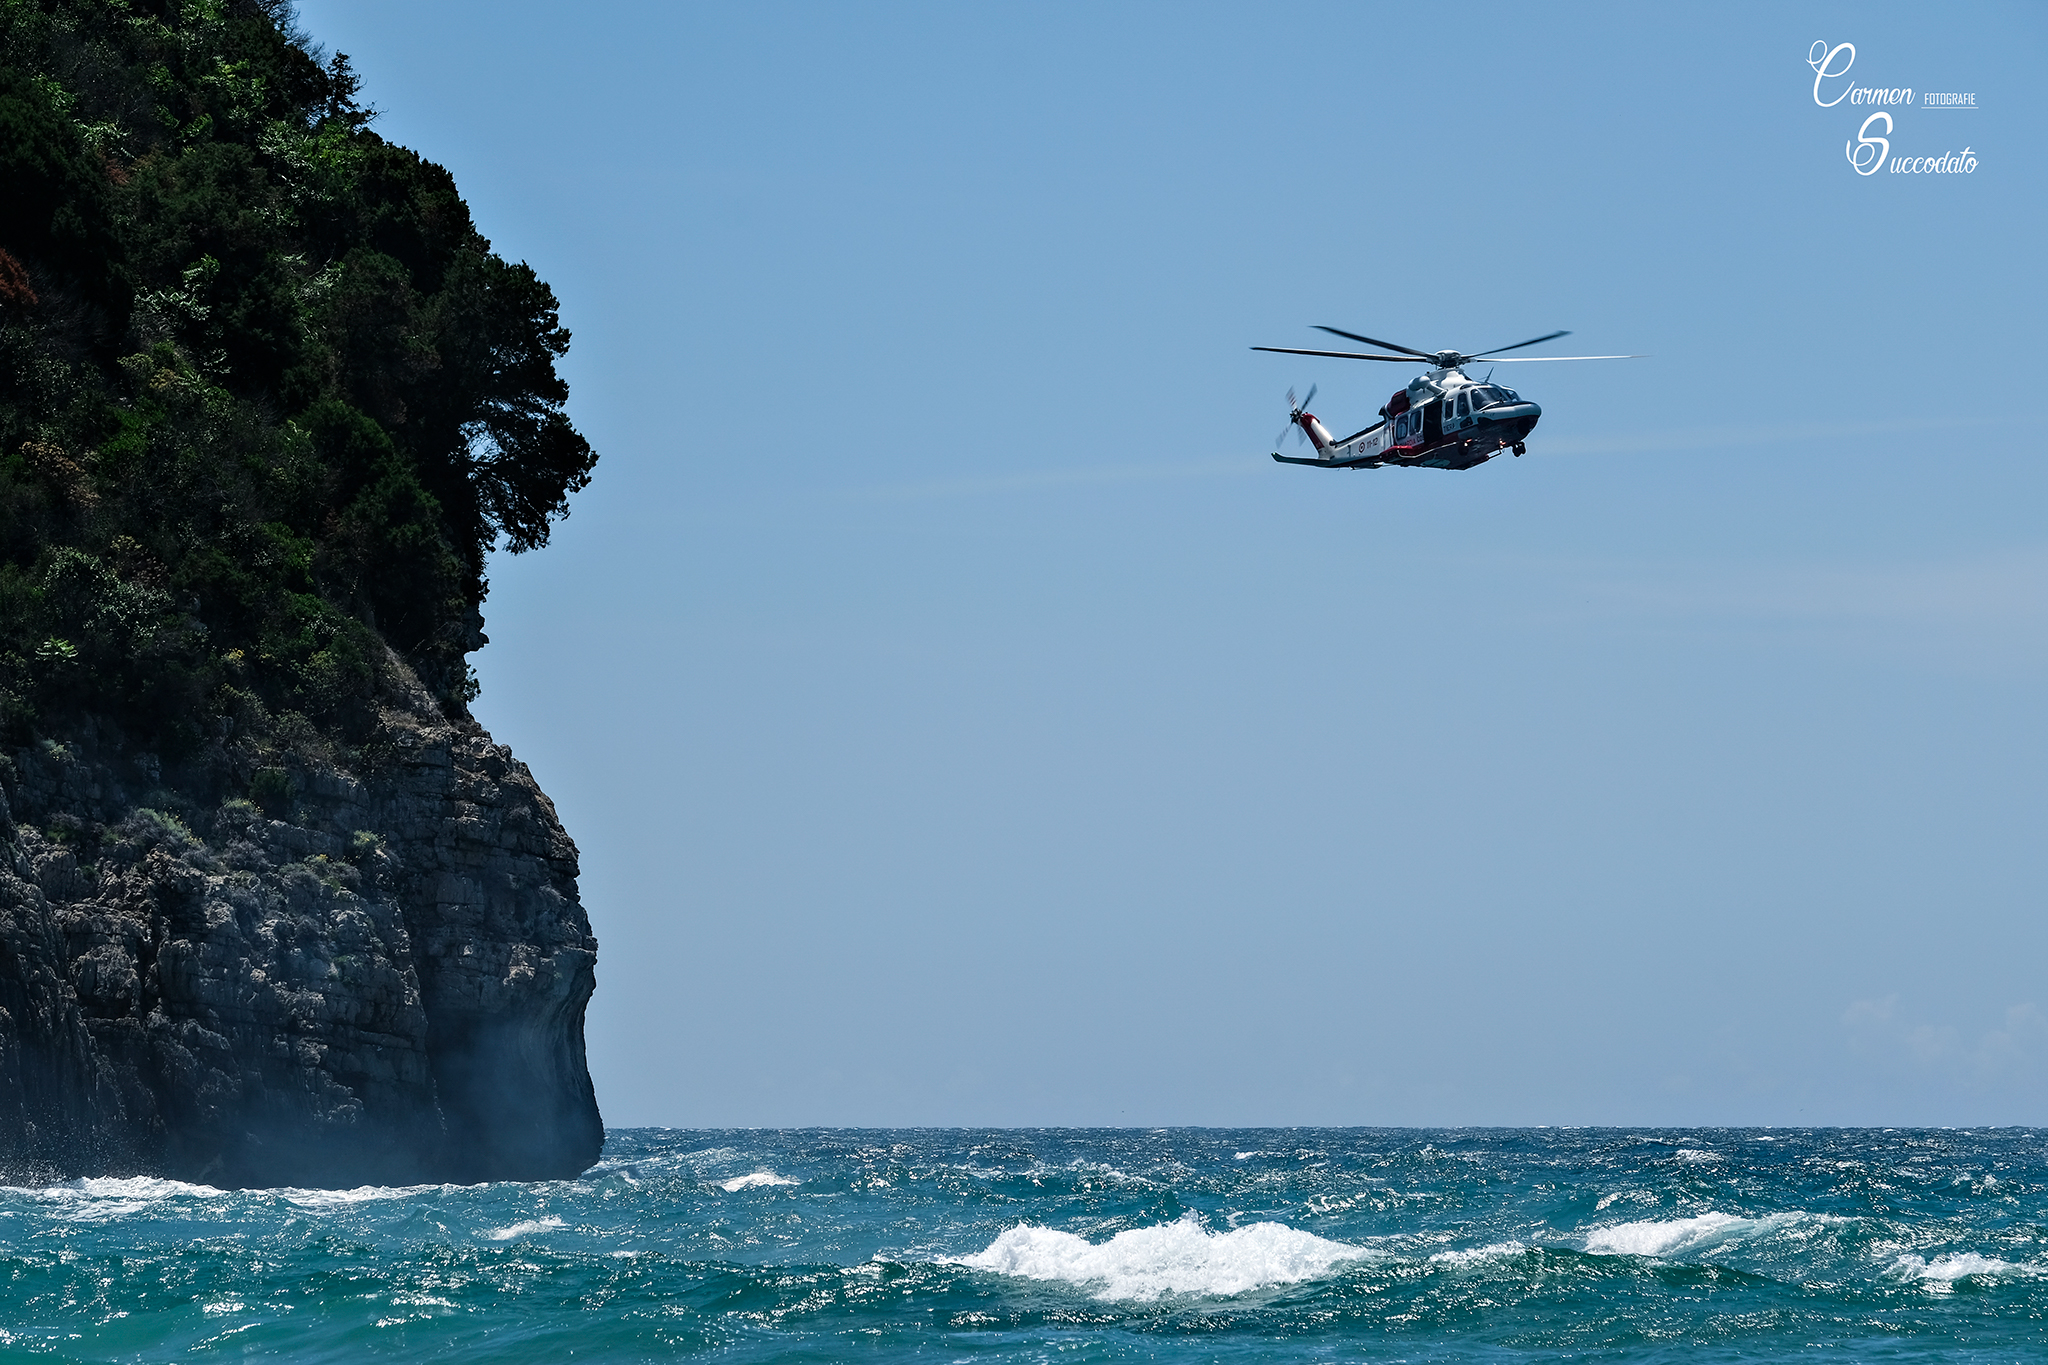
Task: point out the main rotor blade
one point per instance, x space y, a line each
1345 355
1374 341
1549 336
1532 359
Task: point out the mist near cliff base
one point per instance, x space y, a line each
963 721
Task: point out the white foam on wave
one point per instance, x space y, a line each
525 1229
117 1187
611 1165
1174 1258
753 1182
1667 1237
361 1194
1943 1271
1693 1156
97 1199
1476 1255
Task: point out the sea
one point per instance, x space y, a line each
1073 1245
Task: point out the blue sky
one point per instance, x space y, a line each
964 721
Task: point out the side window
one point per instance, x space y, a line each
1464 406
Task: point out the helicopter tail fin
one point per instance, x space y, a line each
1318 434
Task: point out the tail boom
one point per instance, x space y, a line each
1364 450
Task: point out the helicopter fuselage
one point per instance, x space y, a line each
1444 419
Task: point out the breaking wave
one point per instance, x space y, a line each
525 1229
1174 1258
98 1199
1944 1271
1665 1238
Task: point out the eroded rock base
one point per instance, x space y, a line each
381 979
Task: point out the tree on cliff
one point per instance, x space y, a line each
266 394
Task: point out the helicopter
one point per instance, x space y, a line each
1443 419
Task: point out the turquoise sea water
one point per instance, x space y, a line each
1080 1245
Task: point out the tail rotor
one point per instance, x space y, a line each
1295 409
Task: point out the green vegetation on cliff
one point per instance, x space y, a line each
266 394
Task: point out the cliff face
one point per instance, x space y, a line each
273 908
385 986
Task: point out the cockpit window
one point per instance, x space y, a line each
1464 406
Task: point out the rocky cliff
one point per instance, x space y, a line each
273 908
386 985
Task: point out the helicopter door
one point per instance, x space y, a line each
1432 420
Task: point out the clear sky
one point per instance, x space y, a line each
963 721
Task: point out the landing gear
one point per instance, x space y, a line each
1520 449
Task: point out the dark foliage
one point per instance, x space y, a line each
266 395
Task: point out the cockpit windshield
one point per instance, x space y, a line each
1487 394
